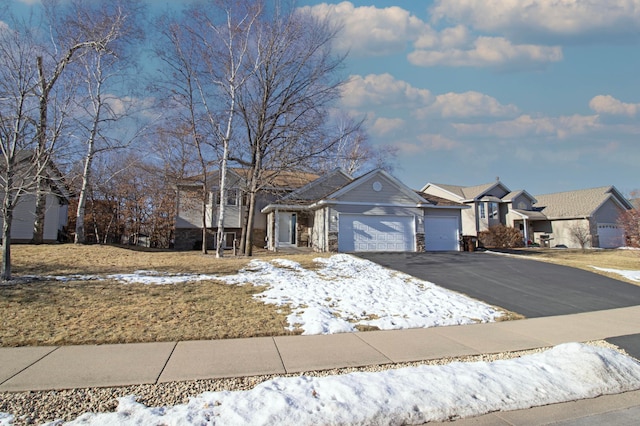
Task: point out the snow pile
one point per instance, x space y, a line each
631 275
404 396
347 291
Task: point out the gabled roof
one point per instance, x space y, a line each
513 194
440 202
367 176
329 188
580 203
469 193
319 188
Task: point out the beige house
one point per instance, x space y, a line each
590 215
189 208
568 219
488 205
375 212
331 213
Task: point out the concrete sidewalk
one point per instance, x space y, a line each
47 368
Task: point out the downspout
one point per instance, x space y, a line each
276 230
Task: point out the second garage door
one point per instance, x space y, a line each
610 235
376 233
441 233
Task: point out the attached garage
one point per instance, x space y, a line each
610 235
442 233
359 232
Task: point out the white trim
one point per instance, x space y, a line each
424 189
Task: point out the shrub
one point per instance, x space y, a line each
501 236
630 222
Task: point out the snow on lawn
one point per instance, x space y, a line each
344 292
631 275
347 291
404 396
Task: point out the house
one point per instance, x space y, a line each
333 213
590 215
375 212
189 211
568 219
488 205
56 210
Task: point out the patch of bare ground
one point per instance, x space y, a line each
50 312
587 259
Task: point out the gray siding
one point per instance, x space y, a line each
365 193
608 213
24 218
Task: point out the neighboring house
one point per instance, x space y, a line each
375 212
188 233
567 219
488 205
332 213
56 211
570 216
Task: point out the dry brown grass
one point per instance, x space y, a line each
48 312
587 259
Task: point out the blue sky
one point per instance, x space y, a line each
544 94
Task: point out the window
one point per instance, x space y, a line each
493 210
232 197
481 207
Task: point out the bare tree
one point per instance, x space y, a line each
630 222
18 77
580 234
208 66
103 70
223 47
179 83
353 153
285 105
73 30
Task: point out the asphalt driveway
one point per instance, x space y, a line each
528 287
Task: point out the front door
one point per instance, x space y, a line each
287 228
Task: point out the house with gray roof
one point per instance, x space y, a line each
487 205
587 216
574 219
374 212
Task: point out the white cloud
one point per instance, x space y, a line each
496 52
382 90
371 31
384 126
607 104
545 18
467 104
527 126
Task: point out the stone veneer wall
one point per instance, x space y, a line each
191 238
420 243
333 242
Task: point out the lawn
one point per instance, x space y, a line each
588 259
89 311
49 312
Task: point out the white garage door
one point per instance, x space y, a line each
376 233
441 233
610 235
